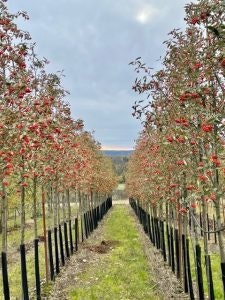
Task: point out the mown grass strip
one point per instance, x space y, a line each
123 273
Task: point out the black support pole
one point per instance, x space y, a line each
190 284
37 269
82 229
172 250
168 244
61 246
51 264
76 234
223 275
163 240
177 251
66 240
24 272
184 254
199 272
211 287
71 237
5 277
57 270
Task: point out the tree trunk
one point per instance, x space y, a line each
206 251
63 207
58 207
45 234
23 216
68 203
4 219
35 207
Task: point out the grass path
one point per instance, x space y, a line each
123 272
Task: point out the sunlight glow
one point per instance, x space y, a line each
146 14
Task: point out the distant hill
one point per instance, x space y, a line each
113 153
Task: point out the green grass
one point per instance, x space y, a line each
216 272
121 186
14 235
215 265
15 277
14 271
123 272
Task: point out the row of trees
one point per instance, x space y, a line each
44 152
178 166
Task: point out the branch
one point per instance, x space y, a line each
205 231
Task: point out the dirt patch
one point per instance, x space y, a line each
103 247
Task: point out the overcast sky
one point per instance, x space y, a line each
93 41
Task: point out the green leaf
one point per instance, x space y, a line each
214 30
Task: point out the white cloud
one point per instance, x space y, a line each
146 13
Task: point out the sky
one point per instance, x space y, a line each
93 42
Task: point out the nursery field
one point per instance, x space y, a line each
148 220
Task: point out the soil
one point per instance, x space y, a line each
90 255
103 247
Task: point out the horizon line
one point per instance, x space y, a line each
116 148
